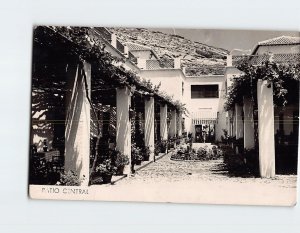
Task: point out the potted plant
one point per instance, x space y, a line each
146 153
138 159
163 146
69 178
106 170
120 162
136 154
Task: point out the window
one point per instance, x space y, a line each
204 91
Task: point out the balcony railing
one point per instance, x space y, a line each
159 64
120 46
205 70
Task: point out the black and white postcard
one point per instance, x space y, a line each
164 115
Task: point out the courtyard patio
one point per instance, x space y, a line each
167 180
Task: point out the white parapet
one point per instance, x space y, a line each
114 40
142 63
163 121
123 138
266 129
77 133
248 124
149 125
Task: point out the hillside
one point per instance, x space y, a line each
199 58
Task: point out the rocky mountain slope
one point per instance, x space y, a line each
198 58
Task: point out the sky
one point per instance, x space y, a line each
228 39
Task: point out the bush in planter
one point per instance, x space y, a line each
69 178
138 159
106 170
121 161
157 149
251 157
146 153
161 147
171 142
136 155
202 153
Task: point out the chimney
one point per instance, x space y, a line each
177 63
229 60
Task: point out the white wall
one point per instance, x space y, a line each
170 79
144 54
202 104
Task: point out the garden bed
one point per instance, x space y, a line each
185 153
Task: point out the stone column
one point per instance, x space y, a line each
230 123
173 128
149 126
179 124
163 122
239 126
248 124
123 139
77 133
266 129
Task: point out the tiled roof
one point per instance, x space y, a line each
282 40
133 46
259 59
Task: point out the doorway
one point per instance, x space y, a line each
205 133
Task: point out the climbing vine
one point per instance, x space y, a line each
284 77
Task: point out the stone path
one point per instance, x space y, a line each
202 182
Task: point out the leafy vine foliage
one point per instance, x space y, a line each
284 77
55 49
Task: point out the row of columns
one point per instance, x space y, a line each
123 124
245 127
77 134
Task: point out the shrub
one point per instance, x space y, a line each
145 152
69 178
201 154
121 159
106 168
136 154
160 147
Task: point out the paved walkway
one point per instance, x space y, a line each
201 182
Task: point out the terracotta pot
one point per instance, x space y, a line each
146 158
106 178
120 170
138 162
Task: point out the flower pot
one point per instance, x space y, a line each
120 170
106 178
97 179
146 158
138 162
